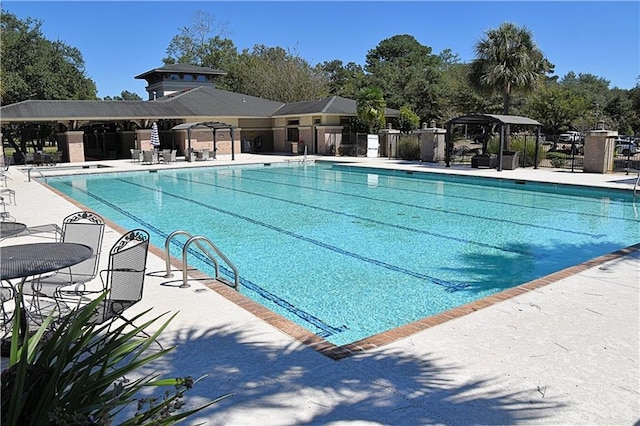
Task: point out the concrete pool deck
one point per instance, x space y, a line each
567 352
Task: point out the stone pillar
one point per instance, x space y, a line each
128 141
72 145
389 142
279 136
599 146
431 143
144 139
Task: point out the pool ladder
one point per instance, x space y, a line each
198 240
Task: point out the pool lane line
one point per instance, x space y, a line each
431 209
326 330
486 182
429 193
448 286
366 219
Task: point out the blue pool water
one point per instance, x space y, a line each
347 252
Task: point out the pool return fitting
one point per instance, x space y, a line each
198 240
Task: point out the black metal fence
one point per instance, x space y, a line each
550 155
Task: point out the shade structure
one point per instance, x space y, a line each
214 126
155 136
503 121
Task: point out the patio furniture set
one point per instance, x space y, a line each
153 156
56 278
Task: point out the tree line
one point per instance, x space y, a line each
509 75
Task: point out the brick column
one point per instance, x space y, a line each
144 139
72 143
598 151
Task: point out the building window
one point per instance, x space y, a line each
174 77
188 77
293 134
201 78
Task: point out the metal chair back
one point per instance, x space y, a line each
83 228
125 274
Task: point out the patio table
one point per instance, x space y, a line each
25 260
9 229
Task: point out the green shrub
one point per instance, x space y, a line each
408 148
555 154
76 375
527 153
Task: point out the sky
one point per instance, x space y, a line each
122 39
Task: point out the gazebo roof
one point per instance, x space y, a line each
213 125
494 118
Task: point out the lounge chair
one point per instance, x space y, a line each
205 154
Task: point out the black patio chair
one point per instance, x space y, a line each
83 227
123 280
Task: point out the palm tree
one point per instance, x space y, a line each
370 108
508 59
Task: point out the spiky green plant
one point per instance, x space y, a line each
76 374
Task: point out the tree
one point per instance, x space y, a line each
370 108
33 67
634 95
407 72
556 107
277 74
508 60
343 80
407 120
202 44
619 111
125 95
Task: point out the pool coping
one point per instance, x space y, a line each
384 338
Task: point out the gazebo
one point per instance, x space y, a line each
503 121
214 126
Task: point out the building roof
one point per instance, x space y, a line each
211 102
200 101
197 102
181 68
336 105
60 110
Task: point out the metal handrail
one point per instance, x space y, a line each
635 185
39 171
197 239
167 256
185 251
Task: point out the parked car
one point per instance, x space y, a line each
569 137
625 145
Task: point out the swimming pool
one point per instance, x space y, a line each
351 252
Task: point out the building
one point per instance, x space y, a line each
180 94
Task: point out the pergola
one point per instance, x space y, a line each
489 119
214 126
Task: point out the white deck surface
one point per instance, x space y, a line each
567 353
